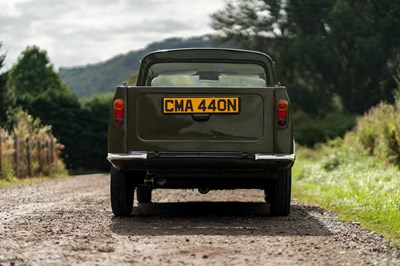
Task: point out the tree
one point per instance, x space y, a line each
40 91
323 48
94 132
266 26
364 37
32 75
2 57
253 24
7 98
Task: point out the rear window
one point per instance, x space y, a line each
206 75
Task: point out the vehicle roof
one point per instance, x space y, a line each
206 54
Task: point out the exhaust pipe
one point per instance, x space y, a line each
204 189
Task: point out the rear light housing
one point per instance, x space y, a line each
119 108
282 111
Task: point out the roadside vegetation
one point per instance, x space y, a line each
357 176
28 150
80 125
338 58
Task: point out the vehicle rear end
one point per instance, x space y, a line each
206 119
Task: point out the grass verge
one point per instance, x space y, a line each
8 179
360 188
28 181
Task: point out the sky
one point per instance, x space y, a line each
82 32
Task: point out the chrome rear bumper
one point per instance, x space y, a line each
145 155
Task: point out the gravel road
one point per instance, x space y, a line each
68 222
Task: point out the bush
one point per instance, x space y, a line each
29 149
358 175
309 130
378 132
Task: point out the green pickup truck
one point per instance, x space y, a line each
201 119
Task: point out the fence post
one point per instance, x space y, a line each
29 156
48 152
39 148
52 151
16 155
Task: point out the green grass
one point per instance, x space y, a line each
360 188
27 181
8 179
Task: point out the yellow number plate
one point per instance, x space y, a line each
208 105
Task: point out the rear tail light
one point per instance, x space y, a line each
282 107
119 107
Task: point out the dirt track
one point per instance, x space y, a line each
68 222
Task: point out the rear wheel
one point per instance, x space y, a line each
279 192
121 190
143 194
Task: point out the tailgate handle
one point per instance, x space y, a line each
201 117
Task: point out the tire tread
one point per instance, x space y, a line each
121 190
279 194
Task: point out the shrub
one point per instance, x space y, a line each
378 132
309 130
29 149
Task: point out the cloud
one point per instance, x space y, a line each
88 31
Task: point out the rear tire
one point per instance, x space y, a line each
279 192
143 194
121 190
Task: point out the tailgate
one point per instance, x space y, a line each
200 119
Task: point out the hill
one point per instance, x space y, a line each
104 76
